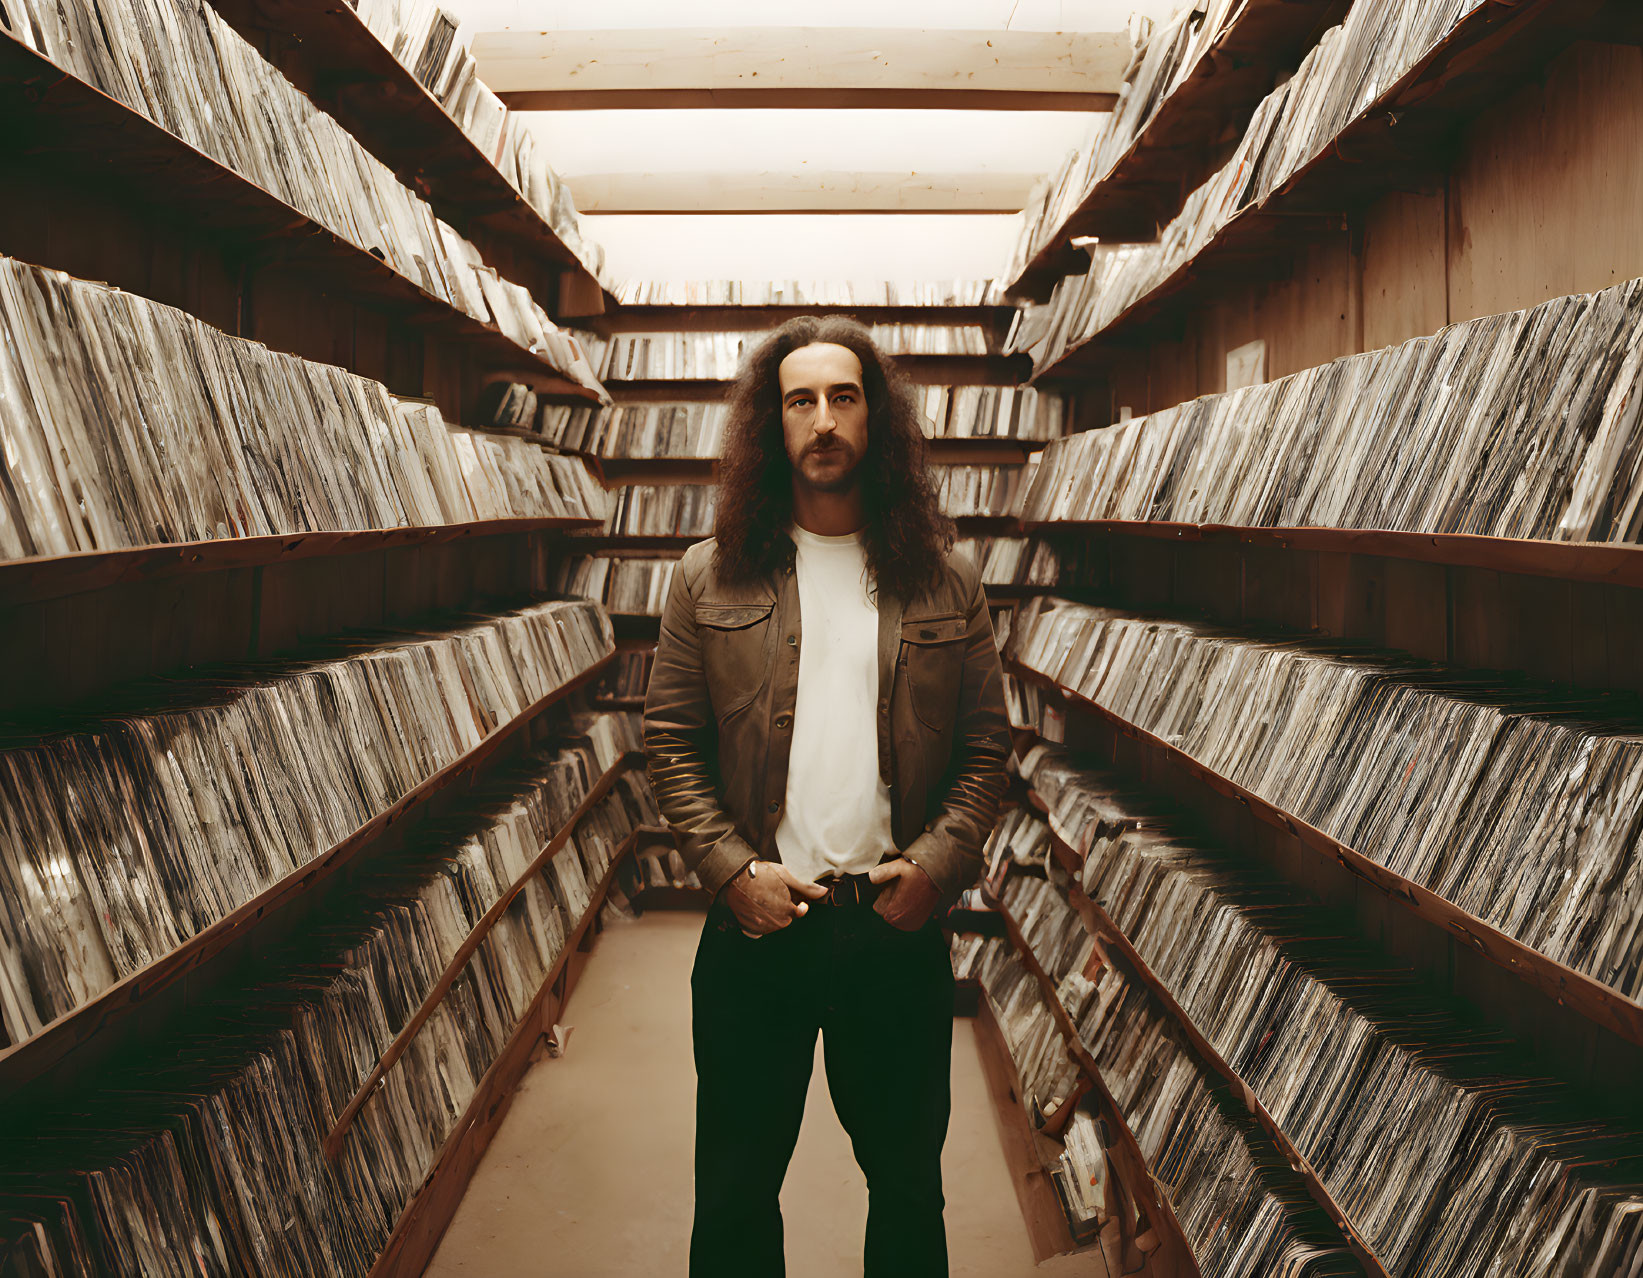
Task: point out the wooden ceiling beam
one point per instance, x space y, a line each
835 99
605 194
803 58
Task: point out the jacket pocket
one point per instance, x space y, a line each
735 641
934 648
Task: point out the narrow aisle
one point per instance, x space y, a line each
589 1176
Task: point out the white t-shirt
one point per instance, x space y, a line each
837 818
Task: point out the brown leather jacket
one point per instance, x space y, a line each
719 718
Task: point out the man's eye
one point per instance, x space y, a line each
797 403
844 399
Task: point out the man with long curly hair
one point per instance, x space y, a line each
826 735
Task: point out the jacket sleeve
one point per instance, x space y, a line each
949 851
681 744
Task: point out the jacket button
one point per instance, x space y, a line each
782 720
792 641
774 805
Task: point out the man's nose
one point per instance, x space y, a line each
825 424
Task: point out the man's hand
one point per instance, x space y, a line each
771 899
910 897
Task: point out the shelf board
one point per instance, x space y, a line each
63 123
425 1218
1101 926
713 317
989 525
600 542
110 1011
936 370
1597 1003
1602 563
978 450
1402 139
34 580
330 54
1177 150
695 470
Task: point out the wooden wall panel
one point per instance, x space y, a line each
1545 191
1541 201
1307 318
1404 290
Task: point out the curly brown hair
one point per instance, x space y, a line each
906 537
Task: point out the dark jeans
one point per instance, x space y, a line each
882 1000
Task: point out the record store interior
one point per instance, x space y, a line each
364 373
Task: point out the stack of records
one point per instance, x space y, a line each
123 837
130 423
1517 425
640 430
430 42
986 412
662 510
979 490
634 357
1166 55
635 586
203 83
1512 800
808 293
1443 1143
206 1159
1013 561
1340 79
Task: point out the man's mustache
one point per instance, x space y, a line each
826 446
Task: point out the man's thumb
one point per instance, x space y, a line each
881 872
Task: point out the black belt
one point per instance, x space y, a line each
849 889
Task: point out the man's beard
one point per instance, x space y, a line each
844 480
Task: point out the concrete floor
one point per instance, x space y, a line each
589 1176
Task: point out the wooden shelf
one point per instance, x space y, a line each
970 525
1048 1228
602 542
714 317
982 450
1125 1149
111 1010
328 53
689 470
1178 150
1403 139
422 1224
24 581
1602 563
989 525
937 370
1101 926
63 123
469 948
1590 999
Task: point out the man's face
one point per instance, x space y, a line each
824 415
